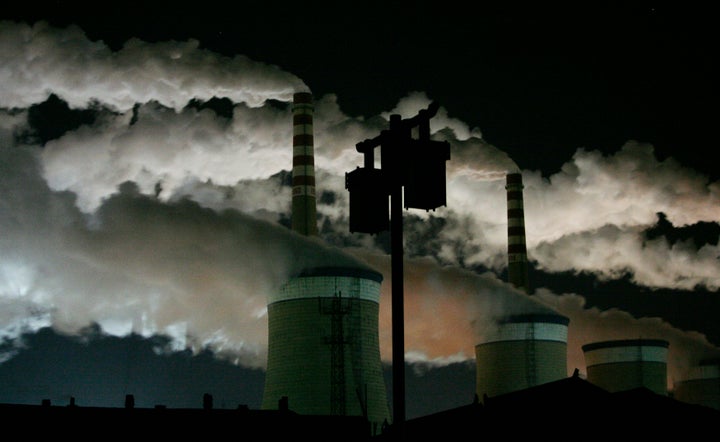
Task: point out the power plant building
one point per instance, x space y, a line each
524 351
625 364
323 338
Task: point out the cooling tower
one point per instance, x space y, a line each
524 351
626 364
324 352
517 252
701 386
323 338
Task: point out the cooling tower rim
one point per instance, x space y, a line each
330 282
625 343
526 327
352 272
549 318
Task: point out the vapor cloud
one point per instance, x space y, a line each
41 60
160 217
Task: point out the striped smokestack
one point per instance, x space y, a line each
517 252
304 218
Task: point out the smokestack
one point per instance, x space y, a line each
517 252
304 218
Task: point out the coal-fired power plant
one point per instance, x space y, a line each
323 327
625 364
323 338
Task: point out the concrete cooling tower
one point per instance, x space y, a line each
701 386
524 351
323 338
626 364
324 352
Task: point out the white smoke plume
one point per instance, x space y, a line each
590 216
44 60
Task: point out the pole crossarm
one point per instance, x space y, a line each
421 120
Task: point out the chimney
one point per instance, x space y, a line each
304 218
517 252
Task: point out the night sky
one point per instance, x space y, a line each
144 185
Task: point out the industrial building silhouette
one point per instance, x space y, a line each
324 377
567 409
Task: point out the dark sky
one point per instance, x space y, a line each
538 83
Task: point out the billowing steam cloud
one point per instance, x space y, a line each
163 218
64 62
143 266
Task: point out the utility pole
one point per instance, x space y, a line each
413 168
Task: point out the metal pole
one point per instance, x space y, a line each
398 320
398 134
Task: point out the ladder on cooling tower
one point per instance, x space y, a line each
530 357
337 307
